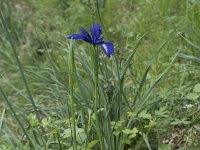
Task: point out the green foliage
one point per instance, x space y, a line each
147 90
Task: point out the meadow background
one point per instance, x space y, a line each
149 90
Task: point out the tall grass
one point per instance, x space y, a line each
77 98
23 79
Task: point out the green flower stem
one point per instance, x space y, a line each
71 84
96 92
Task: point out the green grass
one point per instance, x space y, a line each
58 94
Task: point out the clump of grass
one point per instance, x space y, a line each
132 100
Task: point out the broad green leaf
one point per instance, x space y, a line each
126 141
180 121
80 134
127 131
134 132
132 135
192 96
116 132
46 122
131 114
66 133
151 124
144 115
161 111
32 119
197 88
164 147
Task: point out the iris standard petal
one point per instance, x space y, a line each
107 48
86 36
95 31
99 41
76 37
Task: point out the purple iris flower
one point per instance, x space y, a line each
95 39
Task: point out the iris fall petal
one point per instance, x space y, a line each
76 37
107 48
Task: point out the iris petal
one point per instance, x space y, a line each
95 31
86 36
76 37
107 48
100 41
95 39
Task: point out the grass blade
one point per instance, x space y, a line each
189 57
130 58
146 140
191 43
144 99
21 70
1 120
142 83
16 117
